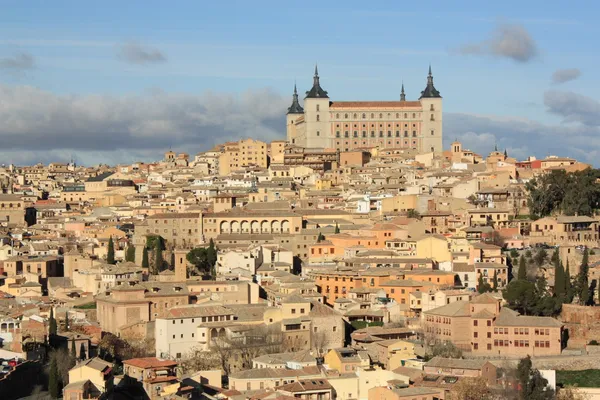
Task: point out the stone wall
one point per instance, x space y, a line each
582 322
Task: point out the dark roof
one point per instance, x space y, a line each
430 90
101 177
295 108
316 91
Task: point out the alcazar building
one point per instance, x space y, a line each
349 125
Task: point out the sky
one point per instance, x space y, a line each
122 81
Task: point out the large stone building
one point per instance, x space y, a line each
349 125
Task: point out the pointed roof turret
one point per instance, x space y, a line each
505 153
295 108
402 95
316 91
430 90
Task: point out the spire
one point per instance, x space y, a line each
402 95
295 108
505 153
316 91
430 90
496 147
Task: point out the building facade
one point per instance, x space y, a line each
350 125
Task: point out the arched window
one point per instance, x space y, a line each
372 115
414 115
345 115
397 115
405 115
318 118
355 115
380 115
364 115
337 115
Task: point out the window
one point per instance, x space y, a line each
317 107
475 323
318 117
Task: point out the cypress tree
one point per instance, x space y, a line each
211 254
158 259
82 352
53 379
584 287
110 254
67 324
130 254
52 323
73 350
522 274
480 284
568 285
495 281
559 279
337 228
145 263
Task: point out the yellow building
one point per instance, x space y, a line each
242 154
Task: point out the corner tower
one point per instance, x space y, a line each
316 115
294 112
431 102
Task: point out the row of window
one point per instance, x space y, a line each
389 115
414 142
364 134
373 125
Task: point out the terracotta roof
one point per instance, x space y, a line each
374 104
150 362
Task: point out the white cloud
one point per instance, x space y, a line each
565 75
507 40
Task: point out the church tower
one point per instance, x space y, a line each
316 115
294 112
431 128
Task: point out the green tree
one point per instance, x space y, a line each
521 296
130 254
583 286
495 281
110 253
533 385
158 260
73 350
212 253
528 254
555 257
145 262
53 379
569 290
540 257
320 238
522 274
67 323
82 352
482 286
337 228
412 213
199 258
514 253
52 329
559 279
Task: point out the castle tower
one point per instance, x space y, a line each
180 265
402 94
431 101
294 112
316 115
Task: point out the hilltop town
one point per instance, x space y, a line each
345 262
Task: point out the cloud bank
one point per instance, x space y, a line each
565 75
135 53
507 41
17 63
39 126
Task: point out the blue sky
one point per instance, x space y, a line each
245 56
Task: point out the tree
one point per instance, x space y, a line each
483 287
555 257
540 257
82 352
130 254
567 393
569 292
73 350
471 389
514 253
559 279
582 280
158 260
145 263
67 324
412 213
110 253
522 274
320 238
495 281
532 383
199 360
52 323
521 296
53 379
443 349
528 254
199 259
337 229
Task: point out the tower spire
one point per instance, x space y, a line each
402 95
430 90
316 90
295 108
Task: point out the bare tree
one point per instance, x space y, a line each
318 341
472 389
199 360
